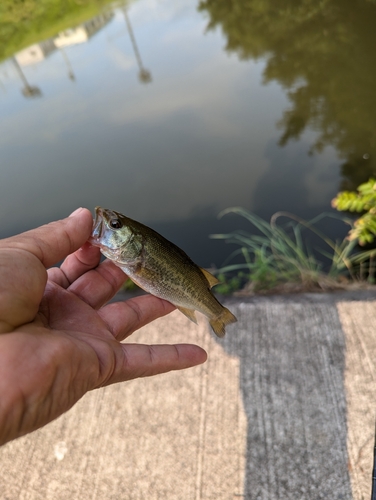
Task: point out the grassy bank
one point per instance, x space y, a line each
276 258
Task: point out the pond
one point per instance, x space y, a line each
173 110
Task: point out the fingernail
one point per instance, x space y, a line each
75 212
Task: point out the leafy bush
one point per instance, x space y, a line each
364 200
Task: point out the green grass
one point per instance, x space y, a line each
276 255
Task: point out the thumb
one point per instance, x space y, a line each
53 242
23 262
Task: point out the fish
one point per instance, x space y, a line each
159 267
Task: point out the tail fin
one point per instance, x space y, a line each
219 323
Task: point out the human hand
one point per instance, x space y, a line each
58 338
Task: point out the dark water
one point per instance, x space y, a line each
170 111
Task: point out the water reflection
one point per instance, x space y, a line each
82 33
206 134
38 52
321 54
144 75
28 90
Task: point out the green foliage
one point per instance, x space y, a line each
228 285
364 200
129 286
277 254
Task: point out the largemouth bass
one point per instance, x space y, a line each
159 267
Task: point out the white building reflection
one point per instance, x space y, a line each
35 53
83 32
38 52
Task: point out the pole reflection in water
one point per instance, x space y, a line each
28 91
144 75
71 74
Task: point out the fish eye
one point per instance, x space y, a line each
116 224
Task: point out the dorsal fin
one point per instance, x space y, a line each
212 280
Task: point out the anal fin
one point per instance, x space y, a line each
189 313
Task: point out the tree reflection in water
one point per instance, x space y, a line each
323 54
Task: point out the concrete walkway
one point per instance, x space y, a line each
283 409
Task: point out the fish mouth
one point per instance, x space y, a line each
97 226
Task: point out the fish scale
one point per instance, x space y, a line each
159 267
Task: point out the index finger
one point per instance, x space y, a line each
53 242
140 360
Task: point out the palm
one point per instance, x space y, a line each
63 338
72 345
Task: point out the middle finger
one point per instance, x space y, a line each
80 262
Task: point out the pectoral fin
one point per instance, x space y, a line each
212 280
189 313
